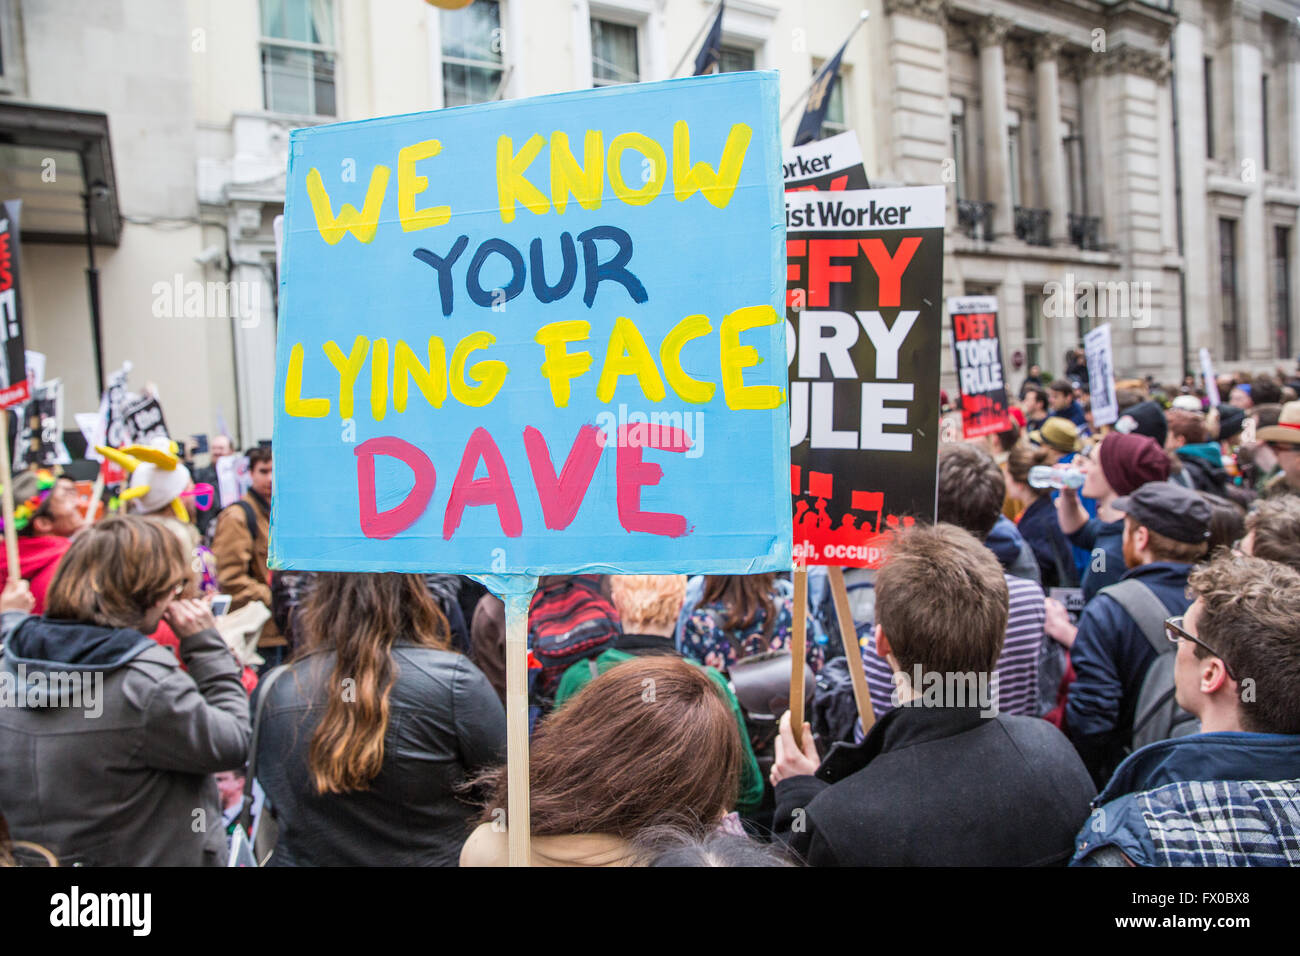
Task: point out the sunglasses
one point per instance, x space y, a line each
1175 632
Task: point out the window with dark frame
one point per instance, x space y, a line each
1209 107
614 55
1282 290
1228 316
1263 103
735 59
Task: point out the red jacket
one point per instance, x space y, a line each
38 559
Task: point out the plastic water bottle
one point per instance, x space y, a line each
1055 476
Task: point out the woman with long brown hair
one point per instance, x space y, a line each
739 615
649 742
376 725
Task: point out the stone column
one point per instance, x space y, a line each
1253 312
991 33
1051 150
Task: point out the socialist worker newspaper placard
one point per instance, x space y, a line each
978 352
864 308
537 336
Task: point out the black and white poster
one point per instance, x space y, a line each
864 310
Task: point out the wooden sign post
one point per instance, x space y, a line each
6 474
852 653
798 651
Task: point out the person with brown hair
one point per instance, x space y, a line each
647 606
1038 524
651 742
739 615
376 725
1226 796
1273 531
1196 460
110 746
942 779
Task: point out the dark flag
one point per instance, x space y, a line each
710 54
819 98
14 389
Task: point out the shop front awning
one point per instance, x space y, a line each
51 159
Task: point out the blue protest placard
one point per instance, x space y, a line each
537 336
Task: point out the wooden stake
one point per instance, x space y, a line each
6 474
517 781
96 493
852 651
798 651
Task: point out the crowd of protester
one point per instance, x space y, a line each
1146 714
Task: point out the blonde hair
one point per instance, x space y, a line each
647 599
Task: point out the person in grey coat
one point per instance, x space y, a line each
108 746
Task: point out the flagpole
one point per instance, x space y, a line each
804 95
708 22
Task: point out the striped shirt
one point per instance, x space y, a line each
1015 687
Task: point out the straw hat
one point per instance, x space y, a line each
1287 428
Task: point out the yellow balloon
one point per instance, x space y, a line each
449 4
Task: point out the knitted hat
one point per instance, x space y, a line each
1145 418
1231 420
31 489
1130 461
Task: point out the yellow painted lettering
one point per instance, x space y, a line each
294 403
584 182
432 382
362 224
654 168
627 355
488 374
717 187
379 379
560 365
410 184
670 354
736 358
349 367
512 185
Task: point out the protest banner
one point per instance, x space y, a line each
233 479
40 431
831 163
1101 376
864 309
1211 380
978 351
567 357
144 420
14 387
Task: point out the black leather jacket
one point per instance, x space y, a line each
445 722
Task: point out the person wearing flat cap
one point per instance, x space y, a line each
1284 440
1060 437
1166 527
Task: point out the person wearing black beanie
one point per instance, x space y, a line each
1145 418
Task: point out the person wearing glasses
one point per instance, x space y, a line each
1228 795
108 747
1166 527
1283 439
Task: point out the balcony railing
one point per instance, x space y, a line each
1085 231
1031 226
975 219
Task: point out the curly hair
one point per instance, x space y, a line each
1250 614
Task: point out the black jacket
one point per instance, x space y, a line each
940 787
444 723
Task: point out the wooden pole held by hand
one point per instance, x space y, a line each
852 652
798 651
6 474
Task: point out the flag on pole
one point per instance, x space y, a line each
710 54
819 98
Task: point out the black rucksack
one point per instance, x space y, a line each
1158 716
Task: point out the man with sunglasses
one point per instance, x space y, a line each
1228 795
1119 630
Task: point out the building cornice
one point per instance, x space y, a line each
935 11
